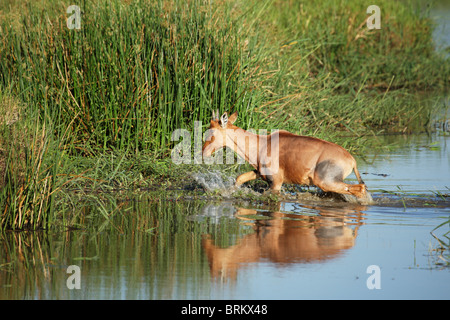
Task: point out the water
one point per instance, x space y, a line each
301 248
420 166
440 13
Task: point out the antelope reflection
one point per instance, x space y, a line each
287 238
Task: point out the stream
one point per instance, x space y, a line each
299 248
239 249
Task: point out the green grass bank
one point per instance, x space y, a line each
94 108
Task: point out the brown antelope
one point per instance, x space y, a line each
284 157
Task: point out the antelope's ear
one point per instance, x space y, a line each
224 120
233 117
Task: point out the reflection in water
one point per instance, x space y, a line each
147 250
167 250
152 249
182 250
284 238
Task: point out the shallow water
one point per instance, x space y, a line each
440 13
303 248
420 166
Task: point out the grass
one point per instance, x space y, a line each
95 108
441 253
169 63
30 168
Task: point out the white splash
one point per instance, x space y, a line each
213 180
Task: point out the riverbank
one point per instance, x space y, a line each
94 109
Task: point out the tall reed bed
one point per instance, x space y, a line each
30 167
131 75
138 70
327 74
333 38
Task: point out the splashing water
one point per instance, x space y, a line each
213 180
365 200
217 181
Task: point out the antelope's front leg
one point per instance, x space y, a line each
276 184
251 175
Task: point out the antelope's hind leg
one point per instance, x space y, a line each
358 190
329 177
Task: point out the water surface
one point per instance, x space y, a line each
420 165
301 248
242 249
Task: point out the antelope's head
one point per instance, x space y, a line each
216 136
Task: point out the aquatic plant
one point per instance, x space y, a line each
136 71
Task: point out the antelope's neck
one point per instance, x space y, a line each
245 144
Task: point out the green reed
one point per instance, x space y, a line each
109 95
137 71
31 164
329 75
132 74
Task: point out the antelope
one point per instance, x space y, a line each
284 157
